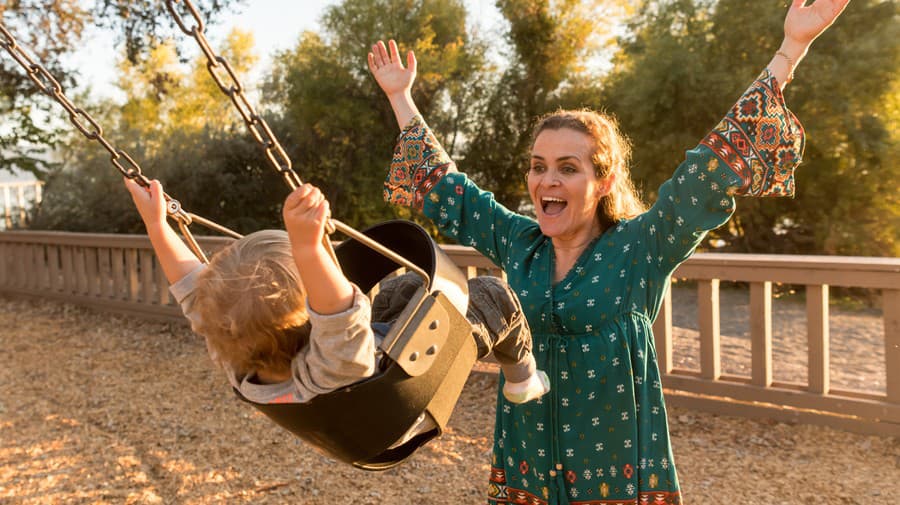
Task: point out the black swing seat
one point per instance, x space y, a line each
429 353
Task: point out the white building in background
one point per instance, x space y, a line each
19 191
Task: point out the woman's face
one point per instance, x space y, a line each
563 185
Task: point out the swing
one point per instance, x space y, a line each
428 352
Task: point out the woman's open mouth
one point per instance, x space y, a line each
552 205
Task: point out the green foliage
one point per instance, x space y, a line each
685 63
217 174
549 43
165 99
340 129
49 30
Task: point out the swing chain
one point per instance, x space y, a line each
51 87
216 64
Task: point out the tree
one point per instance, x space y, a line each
49 30
23 143
164 98
686 61
337 121
549 45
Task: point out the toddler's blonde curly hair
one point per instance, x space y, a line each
252 304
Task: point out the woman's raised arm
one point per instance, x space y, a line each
801 27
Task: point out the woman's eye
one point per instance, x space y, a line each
568 169
538 169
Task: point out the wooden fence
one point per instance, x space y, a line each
18 197
120 273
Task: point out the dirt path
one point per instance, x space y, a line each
105 409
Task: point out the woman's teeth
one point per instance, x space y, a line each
552 205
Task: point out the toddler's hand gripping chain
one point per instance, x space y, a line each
129 168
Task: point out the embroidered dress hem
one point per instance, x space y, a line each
501 494
760 140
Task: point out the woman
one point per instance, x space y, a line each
592 269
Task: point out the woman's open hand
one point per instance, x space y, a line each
806 22
388 70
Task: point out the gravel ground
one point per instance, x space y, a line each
106 409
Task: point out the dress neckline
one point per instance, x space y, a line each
589 248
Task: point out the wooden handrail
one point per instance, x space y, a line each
845 271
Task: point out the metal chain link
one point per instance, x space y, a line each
263 135
225 78
129 168
259 128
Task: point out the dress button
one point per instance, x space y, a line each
559 466
553 473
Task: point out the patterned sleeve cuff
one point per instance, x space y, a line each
418 163
760 140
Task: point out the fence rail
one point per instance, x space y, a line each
18 197
120 273
759 395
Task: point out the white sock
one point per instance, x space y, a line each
532 388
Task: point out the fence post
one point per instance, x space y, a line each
68 269
4 260
118 273
55 284
131 274
662 332
146 266
817 333
7 208
20 198
890 310
761 333
710 342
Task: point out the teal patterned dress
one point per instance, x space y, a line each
601 435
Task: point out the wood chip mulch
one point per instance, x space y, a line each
99 409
